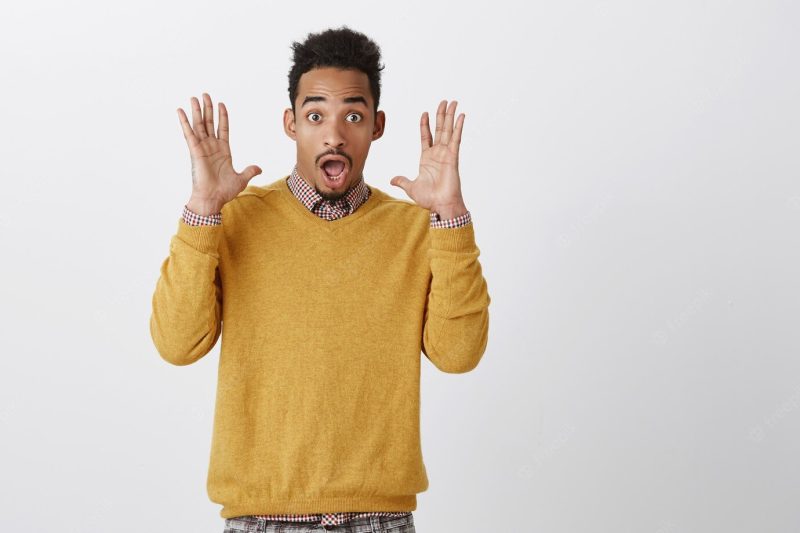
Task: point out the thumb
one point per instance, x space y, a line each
402 182
251 172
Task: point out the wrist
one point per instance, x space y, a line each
450 210
203 207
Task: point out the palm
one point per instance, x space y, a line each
438 176
212 168
438 182
213 176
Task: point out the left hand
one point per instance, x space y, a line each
438 185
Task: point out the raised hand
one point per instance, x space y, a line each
438 185
214 182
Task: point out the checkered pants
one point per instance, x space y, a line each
364 524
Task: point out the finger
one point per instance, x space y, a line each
455 142
402 182
447 129
439 121
425 131
188 134
197 120
250 172
208 115
222 129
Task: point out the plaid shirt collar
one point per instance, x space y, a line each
309 197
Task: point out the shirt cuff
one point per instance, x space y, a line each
457 222
193 219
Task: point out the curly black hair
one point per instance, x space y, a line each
341 48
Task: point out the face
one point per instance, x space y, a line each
334 119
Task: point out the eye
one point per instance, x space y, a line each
358 115
311 115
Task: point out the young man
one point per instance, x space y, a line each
329 289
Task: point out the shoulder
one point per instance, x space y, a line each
254 193
262 190
402 221
399 207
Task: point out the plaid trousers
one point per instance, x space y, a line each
364 524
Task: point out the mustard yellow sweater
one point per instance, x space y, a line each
323 324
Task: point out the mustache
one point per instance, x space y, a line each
335 152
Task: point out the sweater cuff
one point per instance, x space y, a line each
202 238
458 239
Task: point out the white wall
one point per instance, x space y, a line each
632 171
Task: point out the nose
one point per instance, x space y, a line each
334 138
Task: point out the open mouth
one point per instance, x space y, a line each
334 172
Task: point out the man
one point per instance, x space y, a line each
329 289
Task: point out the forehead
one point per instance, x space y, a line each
334 84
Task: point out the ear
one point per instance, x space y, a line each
379 126
288 123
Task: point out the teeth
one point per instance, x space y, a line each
335 178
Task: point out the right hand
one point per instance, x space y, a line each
214 182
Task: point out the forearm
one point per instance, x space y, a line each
456 329
185 323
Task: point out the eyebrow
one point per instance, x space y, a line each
347 100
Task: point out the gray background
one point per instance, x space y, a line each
632 171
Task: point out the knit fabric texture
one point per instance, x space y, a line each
325 321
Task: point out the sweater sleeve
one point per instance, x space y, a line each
456 328
185 323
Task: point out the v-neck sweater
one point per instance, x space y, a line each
317 406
